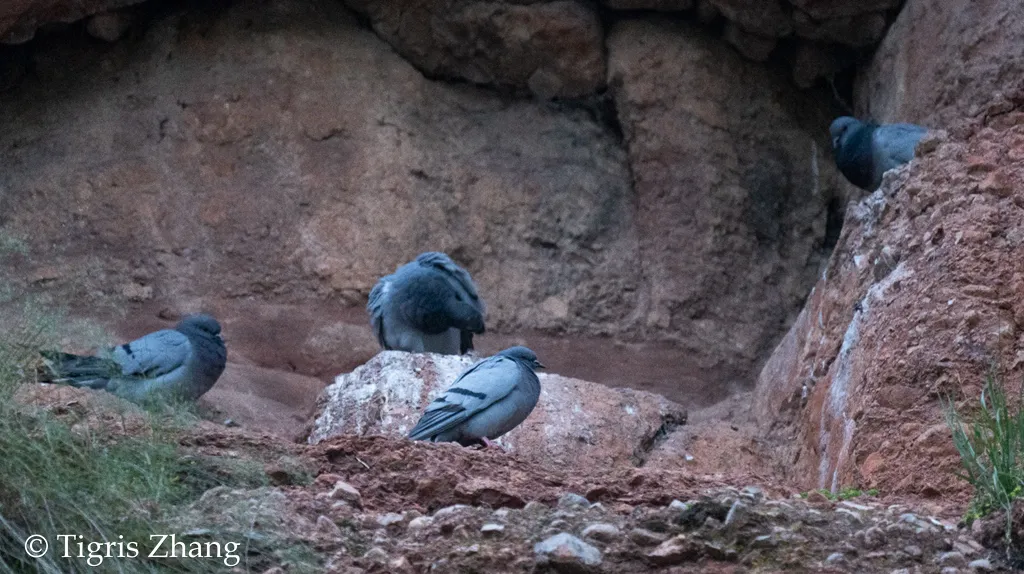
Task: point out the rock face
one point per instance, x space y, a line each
732 190
268 161
20 18
552 48
922 295
258 164
942 61
574 423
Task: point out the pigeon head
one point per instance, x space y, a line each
842 129
523 355
434 258
199 322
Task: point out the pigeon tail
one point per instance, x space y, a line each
76 370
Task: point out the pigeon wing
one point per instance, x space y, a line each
473 392
153 355
375 307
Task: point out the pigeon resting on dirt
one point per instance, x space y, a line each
184 363
865 151
489 399
428 305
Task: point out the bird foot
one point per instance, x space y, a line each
488 444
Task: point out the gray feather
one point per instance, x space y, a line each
184 362
865 151
427 305
487 400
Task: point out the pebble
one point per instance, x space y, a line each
981 564
851 513
644 537
501 513
421 523
345 491
753 493
558 524
737 515
449 511
327 526
492 529
913 551
389 518
534 506
678 506
954 559
566 552
376 554
572 500
675 551
835 558
855 506
602 532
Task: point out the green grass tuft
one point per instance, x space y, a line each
990 440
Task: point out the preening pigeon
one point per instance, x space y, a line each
864 151
184 362
428 305
489 399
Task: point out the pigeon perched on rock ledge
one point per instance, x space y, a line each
864 151
428 305
487 400
183 362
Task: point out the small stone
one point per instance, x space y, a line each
981 565
345 491
389 519
602 532
737 515
675 551
913 551
764 541
466 550
327 526
274 570
420 523
963 548
500 514
853 514
855 506
230 423
954 559
678 506
558 524
835 558
572 500
492 529
949 570
566 553
449 511
376 554
644 537
535 507
753 493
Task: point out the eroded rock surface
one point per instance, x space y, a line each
943 61
922 295
553 48
19 19
574 423
732 187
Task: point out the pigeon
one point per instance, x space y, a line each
489 399
864 151
428 305
183 362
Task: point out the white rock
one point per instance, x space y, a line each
564 548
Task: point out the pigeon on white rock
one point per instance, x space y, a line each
428 305
487 400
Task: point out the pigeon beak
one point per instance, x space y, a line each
539 365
